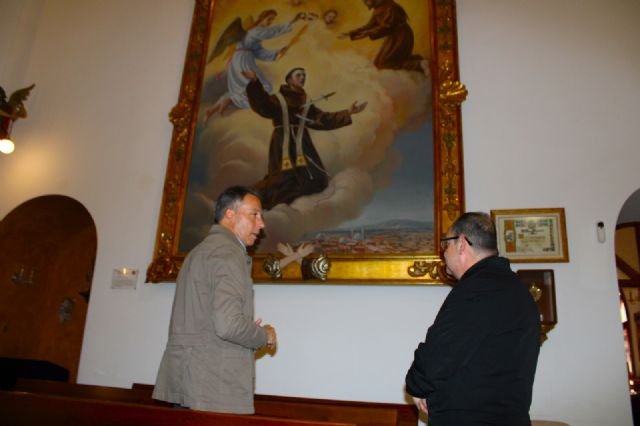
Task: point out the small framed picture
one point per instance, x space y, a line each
541 285
532 235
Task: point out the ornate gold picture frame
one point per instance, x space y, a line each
422 265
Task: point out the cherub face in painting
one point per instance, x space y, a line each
330 16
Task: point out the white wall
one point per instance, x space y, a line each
551 121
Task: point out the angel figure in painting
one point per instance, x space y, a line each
389 21
248 48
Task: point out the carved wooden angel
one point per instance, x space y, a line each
14 107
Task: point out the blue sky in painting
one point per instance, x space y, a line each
410 193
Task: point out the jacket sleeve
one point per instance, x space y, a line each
449 343
232 317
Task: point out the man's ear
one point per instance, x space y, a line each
229 214
461 245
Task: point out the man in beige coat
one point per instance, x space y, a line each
209 362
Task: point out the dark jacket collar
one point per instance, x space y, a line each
493 262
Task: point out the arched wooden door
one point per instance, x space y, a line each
628 262
48 247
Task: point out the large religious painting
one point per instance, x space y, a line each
344 115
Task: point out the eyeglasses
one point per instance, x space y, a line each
444 242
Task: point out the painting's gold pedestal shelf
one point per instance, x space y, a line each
544 329
336 269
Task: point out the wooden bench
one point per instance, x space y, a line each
365 413
49 387
359 413
27 409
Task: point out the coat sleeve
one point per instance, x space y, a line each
450 342
231 295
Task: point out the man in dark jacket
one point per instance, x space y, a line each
478 361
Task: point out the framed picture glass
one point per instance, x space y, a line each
344 115
541 285
532 235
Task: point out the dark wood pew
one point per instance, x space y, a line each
27 409
107 393
363 413
357 412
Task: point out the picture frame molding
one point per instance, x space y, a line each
447 95
559 235
541 284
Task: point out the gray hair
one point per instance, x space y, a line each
230 198
479 231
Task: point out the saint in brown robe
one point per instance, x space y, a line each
305 174
390 22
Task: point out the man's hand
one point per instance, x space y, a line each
285 249
292 255
304 250
272 340
421 404
355 108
